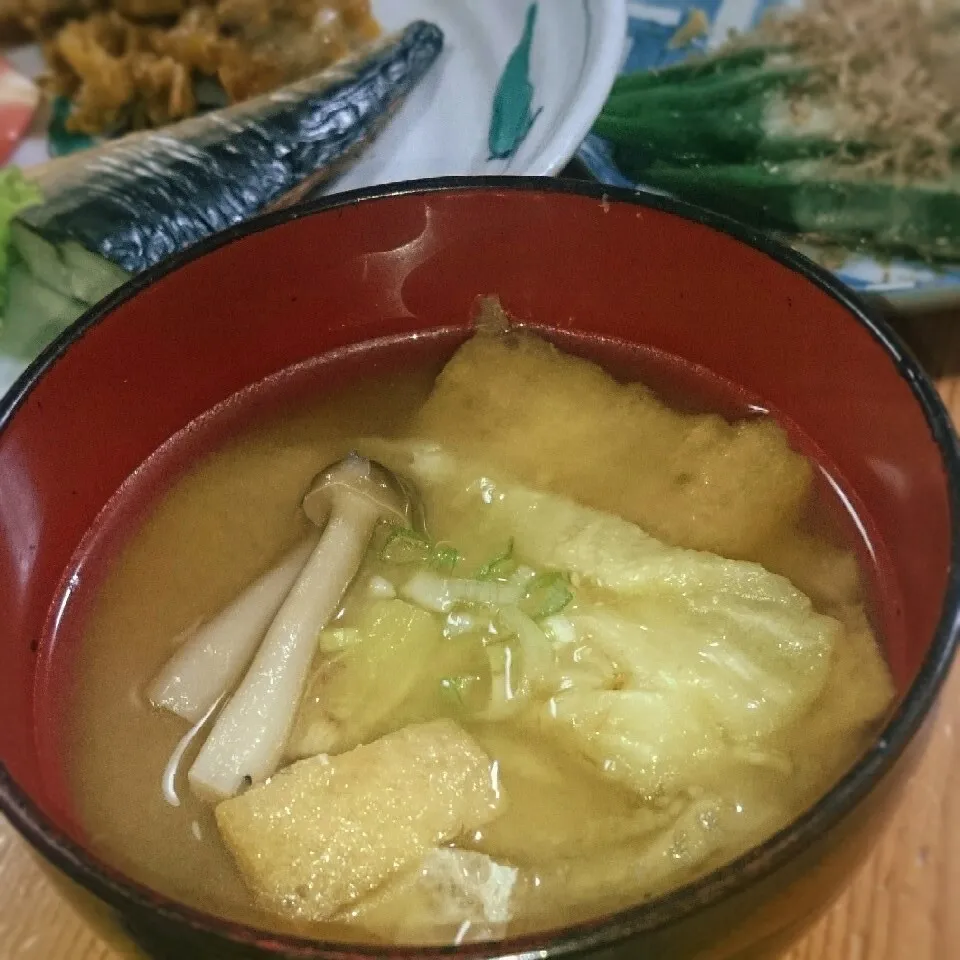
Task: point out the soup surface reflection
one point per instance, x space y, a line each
624 633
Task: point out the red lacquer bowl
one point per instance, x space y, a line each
606 263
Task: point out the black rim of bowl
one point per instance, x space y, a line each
129 896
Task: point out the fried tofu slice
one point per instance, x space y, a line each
560 423
329 830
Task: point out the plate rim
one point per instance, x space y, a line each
610 19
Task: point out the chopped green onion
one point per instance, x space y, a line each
338 639
444 559
442 594
404 545
500 567
546 594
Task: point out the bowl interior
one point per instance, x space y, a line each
415 261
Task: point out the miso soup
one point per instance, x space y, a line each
562 628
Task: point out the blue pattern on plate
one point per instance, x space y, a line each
651 25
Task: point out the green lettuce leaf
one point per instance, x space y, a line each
16 192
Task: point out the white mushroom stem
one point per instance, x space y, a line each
247 742
211 661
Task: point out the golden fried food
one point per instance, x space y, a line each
137 63
34 16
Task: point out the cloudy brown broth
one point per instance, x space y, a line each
580 832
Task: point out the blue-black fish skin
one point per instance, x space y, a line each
153 197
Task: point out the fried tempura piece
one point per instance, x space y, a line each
282 41
150 9
85 49
134 63
34 16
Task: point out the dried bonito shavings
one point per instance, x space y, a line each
889 70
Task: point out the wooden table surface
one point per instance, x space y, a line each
903 905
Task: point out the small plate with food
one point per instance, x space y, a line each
833 124
516 90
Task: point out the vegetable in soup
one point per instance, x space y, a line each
536 646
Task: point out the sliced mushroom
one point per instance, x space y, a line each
248 739
208 664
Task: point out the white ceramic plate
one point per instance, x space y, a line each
651 25
443 128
